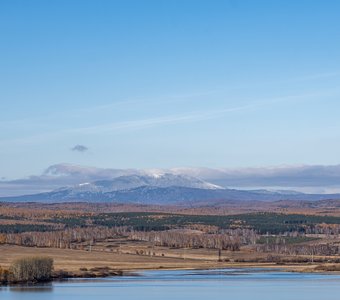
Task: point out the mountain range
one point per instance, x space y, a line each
159 188
310 179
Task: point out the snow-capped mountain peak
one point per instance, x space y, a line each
134 181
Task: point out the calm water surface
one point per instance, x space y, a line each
208 285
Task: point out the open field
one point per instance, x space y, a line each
75 260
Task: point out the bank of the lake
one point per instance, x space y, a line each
241 284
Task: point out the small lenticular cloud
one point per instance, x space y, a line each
80 148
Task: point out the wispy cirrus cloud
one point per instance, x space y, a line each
172 119
130 103
193 116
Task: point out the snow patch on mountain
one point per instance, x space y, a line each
135 181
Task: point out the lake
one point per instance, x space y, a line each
238 284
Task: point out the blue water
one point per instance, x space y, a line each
233 284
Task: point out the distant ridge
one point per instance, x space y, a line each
161 189
307 179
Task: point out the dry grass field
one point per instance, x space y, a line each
127 260
74 260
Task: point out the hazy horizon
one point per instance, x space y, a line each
317 179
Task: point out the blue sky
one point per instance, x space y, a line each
158 84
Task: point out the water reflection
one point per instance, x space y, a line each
32 288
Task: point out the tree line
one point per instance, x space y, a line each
63 239
225 240
28 269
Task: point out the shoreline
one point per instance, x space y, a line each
87 275
290 268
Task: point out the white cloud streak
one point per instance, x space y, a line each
139 124
163 99
194 116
